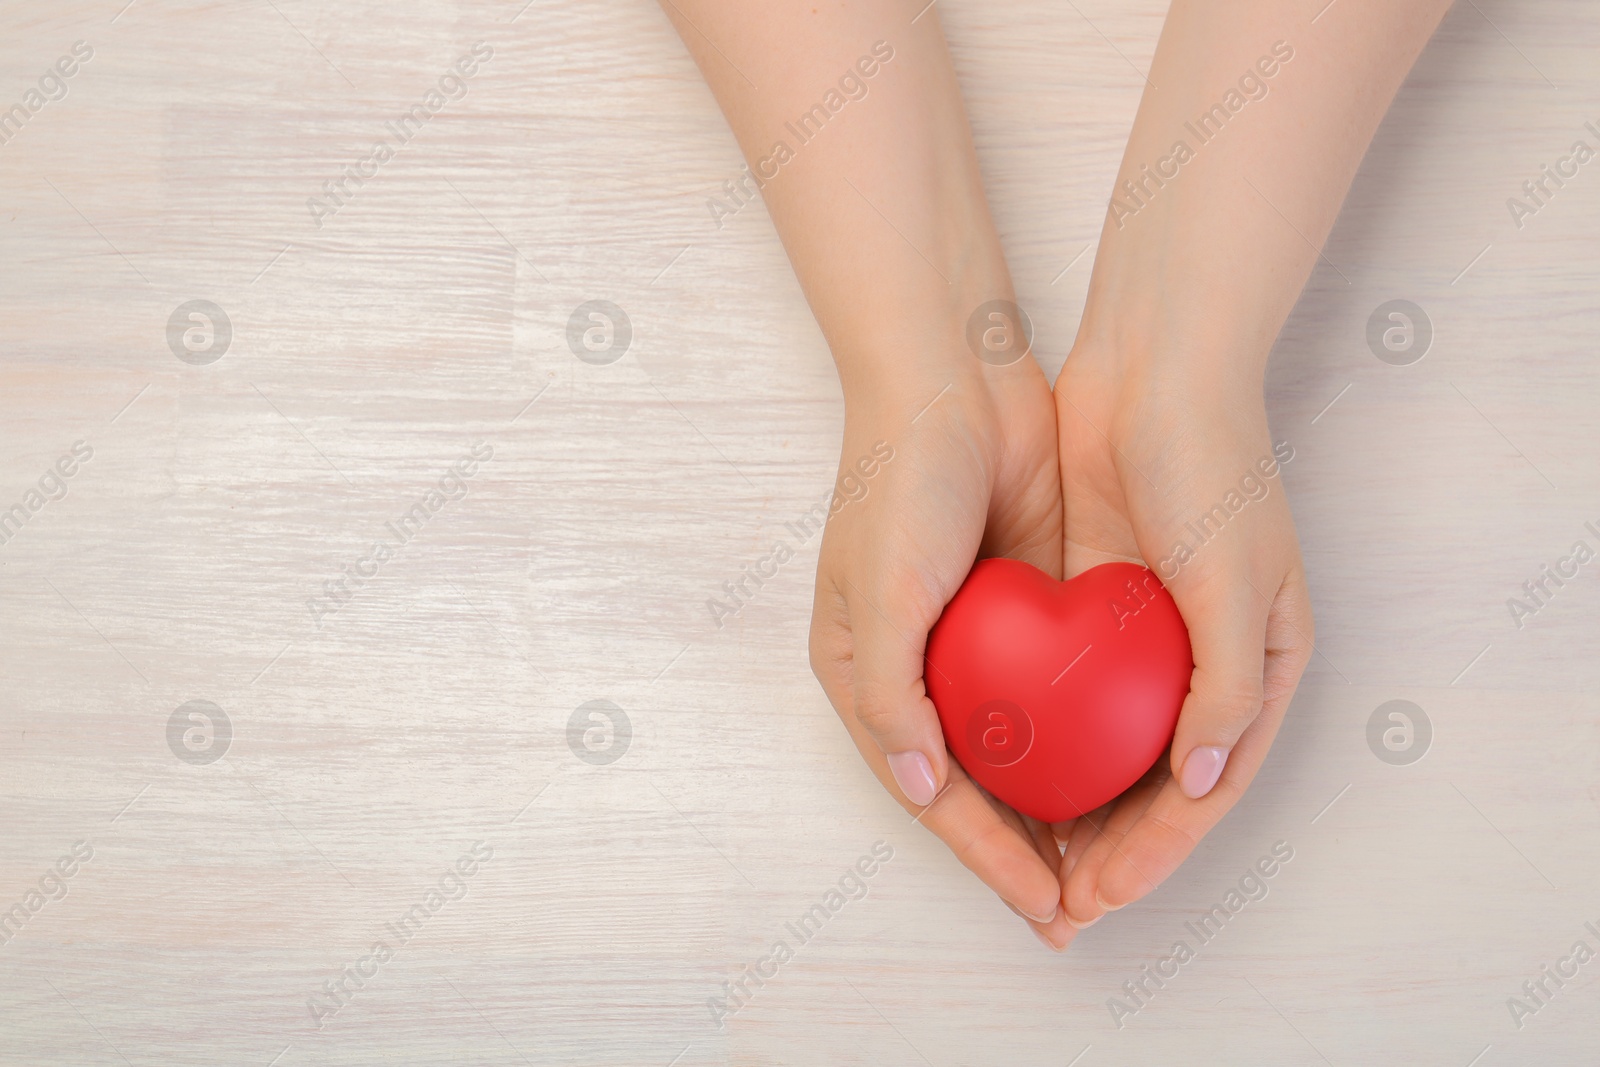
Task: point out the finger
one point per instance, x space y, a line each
1031 830
1006 860
1002 855
1084 832
1102 838
889 625
1173 824
1055 935
1227 622
1291 640
1044 841
830 640
1081 833
1035 833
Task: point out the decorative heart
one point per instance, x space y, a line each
1058 696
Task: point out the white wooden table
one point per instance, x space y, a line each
372 740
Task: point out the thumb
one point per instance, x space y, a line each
1227 631
889 624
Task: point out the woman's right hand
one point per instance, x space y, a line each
973 473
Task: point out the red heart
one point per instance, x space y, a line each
1058 696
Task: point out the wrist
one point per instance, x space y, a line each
967 340
889 394
1141 395
1189 347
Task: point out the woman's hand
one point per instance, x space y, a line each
884 218
1207 243
1181 475
973 474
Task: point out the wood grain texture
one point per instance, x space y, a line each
372 747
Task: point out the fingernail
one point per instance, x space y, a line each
1042 918
1098 899
1201 770
1076 925
914 775
1045 941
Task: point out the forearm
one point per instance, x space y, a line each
878 199
1244 147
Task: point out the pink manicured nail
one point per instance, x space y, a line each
1045 941
1201 770
914 775
1076 925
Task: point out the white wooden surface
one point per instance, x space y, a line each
431 711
